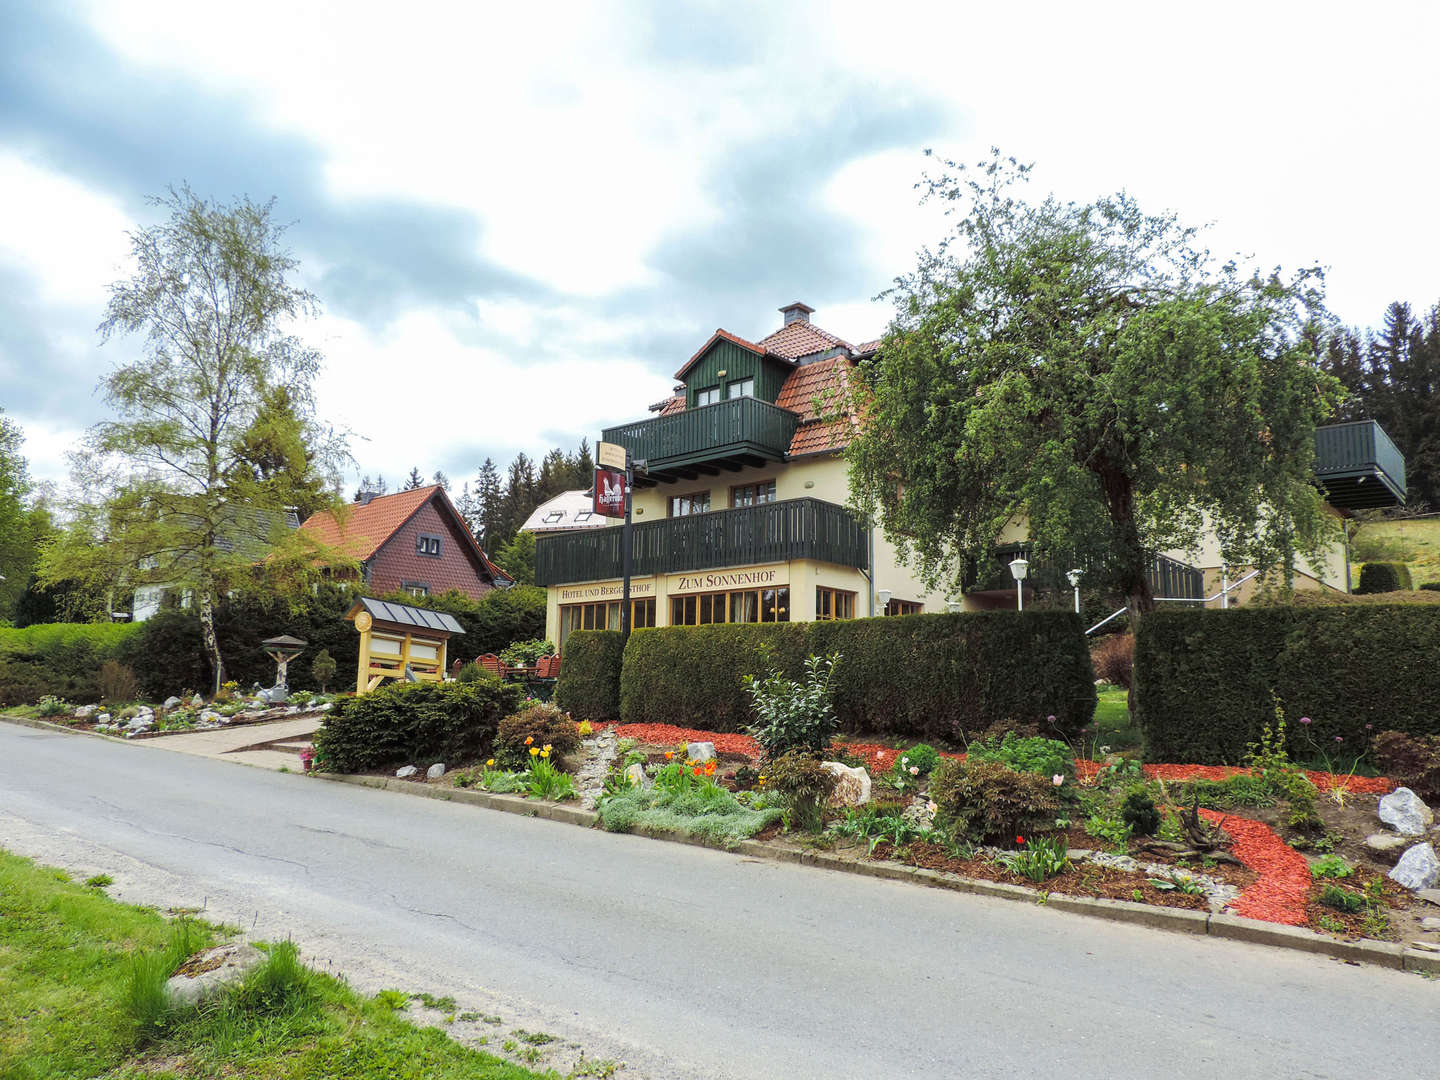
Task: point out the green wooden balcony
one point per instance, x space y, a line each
727 435
1167 577
1359 466
751 535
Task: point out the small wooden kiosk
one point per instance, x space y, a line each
398 641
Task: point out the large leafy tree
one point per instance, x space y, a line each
190 484
24 519
1089 368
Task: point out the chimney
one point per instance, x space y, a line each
363 499
796 312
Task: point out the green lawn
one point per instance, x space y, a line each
1415 542
67 953
1112 721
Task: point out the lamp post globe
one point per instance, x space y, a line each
1073 576
1019 566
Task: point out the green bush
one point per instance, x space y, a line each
1381 577
921 756
1139 812
399 723
804 784
931 677
1032 754
794 715
1431 586
589 683
983 801
1204 679
543 725
62 659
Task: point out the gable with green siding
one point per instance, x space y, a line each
738 363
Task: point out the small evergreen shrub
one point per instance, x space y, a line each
1342 899
589 683
1412 761
921 756
983 801
1382 577
323 668
536 727
401 723
1139 812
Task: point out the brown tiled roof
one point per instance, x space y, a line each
673 405
828 380
868 347
801 338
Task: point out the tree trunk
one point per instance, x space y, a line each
212 643
1132 557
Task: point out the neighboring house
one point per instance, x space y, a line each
566 512
250 532
742 515
412 541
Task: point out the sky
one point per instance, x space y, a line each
522 219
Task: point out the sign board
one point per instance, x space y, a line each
609 455
609 492
767 577
605 590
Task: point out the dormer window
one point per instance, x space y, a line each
740 388
553 516
427 544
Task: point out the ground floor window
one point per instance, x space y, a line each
833 604
747 605
604 615
903 607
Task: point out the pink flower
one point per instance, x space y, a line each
914 770
1057 779
1304 719
1339 739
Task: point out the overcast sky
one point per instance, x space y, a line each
523 218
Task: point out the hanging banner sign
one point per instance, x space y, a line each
609 493
610 455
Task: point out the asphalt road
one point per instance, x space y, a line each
687 962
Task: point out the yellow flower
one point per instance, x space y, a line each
585 728
529 739
545 752
548 748
490 764
534 750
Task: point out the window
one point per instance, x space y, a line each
604 615
762 491
426 544
833 604
415 588
903 607
583 515
697 502
708 396
740 388
553 516
748 605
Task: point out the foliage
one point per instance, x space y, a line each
877 823
25 525
1412 761
323 668
589 683
922 757
1342 899
1384 577
1139 813
1331 866
62 659
545 781
985 801
1113 657
118 682
1094 369
1039 859
1108 826
526 652
804 783
1035 754
1231 793
517 558
794 715
50 705
533 728
1204 679
932 677
401 722
702 810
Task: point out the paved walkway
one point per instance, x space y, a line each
225 743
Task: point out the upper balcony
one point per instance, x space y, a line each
1358 465
727 435
746 536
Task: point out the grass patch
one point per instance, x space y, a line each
1113 727
1415 542
80 972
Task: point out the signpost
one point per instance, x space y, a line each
614 488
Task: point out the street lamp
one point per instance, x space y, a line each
882 600
1018 568
1073 576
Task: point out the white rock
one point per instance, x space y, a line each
172 702
86 710
408 770
699 751
103 718
1383 842
1406 812
236 961
852 785
435 771
1418 868
196 701
636 775
1429 923
327 706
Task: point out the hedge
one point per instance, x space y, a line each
919 676
414 723
1383 577
63 659
589 683
1204 679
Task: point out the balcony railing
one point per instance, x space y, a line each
741 430
1167 577
1359 465
773 532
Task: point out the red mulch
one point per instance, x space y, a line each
670 735
1284 886
1358 785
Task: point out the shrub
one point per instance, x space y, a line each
804 784
921 756
1228 794
1382 577
931 677
794 716
1044 757
1113 657
1204 679
1139 812
589 683
535 727
1410 760
118 682
323 668
984 801
61 659
473 672
403 722
526 652
1342 899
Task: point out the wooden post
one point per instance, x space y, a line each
362 669
443 656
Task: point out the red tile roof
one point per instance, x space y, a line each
802 338
673 405
829 381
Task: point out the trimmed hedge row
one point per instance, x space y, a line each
919 676
1204 679
1383 577
589 683
63 659
414 723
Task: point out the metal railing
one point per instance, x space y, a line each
1223 596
